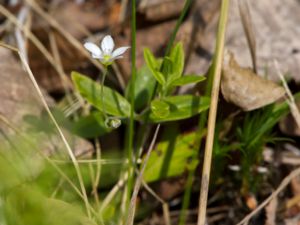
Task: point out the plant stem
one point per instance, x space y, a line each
212 113
178 23
131 211
102 94
197 144
130 136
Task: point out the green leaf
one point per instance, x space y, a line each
187 79
167 68
114 103
160 108
153 65
144 88
171 157
27 205
182 107
177 57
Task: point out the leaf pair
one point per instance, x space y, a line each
168 109
177 107
168 73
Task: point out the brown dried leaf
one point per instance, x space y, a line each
244 88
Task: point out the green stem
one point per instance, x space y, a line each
197 144
130 131
102 94
133 68
202 121
178 24
191 173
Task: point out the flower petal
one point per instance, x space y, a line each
107 44
117 57
94 49
97 56
119 51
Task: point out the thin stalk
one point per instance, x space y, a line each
212 113
168 49
139 180
178 23
197 144
130 131
167 52
102 94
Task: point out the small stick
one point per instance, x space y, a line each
295 173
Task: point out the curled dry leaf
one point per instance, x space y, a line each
242 87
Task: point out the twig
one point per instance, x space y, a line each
164 204
295 173
139 180
212 113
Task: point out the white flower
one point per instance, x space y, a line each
105 53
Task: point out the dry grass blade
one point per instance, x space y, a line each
212 113
291 101
5 121
65 81
249 30
73 41
165 206
43 100
124 6
33 39
139 180
113 192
